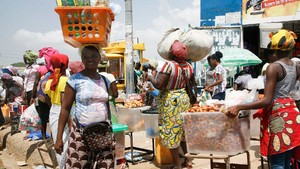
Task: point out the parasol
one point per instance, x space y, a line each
234 57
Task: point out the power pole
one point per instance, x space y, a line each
129 48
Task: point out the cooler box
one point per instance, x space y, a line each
215 133
132 117
151 123
119 132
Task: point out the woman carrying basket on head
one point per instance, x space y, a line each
88 89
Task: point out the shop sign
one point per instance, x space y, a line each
262 11
226 13
225 37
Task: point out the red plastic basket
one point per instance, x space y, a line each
81 25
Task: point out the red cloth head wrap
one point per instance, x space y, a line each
179 51
59 63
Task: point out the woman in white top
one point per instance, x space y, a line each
220 75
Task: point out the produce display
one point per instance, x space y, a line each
133 104
207 108
132 117
215 133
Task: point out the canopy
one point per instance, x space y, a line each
234 57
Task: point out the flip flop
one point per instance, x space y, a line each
186 164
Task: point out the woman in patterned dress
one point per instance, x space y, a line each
173 100
281 116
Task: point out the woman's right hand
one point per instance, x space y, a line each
59 146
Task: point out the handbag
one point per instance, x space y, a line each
188 87
98 136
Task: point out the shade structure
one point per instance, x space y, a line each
234 57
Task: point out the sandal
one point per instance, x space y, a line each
187 164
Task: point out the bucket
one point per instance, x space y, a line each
151 123
119 132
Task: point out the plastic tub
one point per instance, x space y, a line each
132 117
215 133
86 24
151 123
119 132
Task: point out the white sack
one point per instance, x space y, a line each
164 45
198 43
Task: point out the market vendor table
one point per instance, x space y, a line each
226 165
219 136
133 118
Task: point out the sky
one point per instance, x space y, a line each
33 24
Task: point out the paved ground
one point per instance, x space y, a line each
16 148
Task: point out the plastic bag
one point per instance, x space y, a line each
165 44
204 96
197 42
30 119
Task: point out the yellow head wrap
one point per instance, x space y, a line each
283 40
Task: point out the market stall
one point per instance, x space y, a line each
131 115
218 136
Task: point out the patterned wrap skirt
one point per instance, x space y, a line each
280 127
171 104
79 157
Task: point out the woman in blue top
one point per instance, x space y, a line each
88 89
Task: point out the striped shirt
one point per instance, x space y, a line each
176 79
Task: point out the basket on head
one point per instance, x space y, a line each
85 24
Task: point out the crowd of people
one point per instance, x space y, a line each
57 88
59 91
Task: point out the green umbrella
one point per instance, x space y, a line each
234 57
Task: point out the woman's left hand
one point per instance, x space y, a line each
233 111
59 146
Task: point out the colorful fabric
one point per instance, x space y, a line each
6 76
222 86
79 157
171 104
90 104
282 40
41 95
176 80
280 127
59 63
76 66
29 76
60 88
30 56
46 53
42 70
